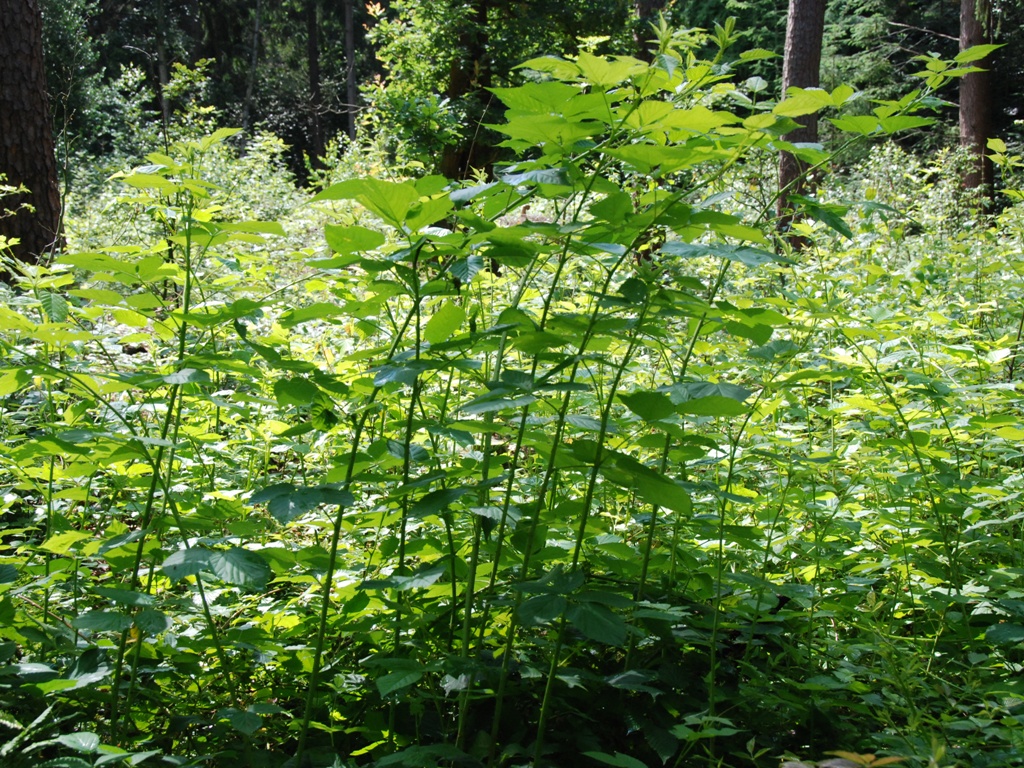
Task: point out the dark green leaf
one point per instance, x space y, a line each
241 567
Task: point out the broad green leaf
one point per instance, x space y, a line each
390 200
352 239
552 65
437 501
830 214
598 623
803 101
662 492
295 391
63 543
316 311
975 53
865 125
414 452
187 376
54 305
103 621
186 562
8 573
549 96
607 73
82 741
428 212
287 502
541 609
240 566
752 257
396 681
424 577
444 323
243 722
124 596
152 622
1005 634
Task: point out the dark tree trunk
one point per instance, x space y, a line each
470 74
254 59
351 87
646 11
976 94
316 98
801 68
26 135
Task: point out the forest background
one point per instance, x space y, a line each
437 383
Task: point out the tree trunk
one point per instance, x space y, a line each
351 87
646 10
801 68
26 135
976 93
470 74
316 99
254 59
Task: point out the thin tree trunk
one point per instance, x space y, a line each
976 94
470 74
646 10
250 84
801 68
316 99
352 91
26 135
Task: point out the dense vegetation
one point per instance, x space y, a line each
581 465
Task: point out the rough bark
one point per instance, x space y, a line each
801 68
26 136
976 94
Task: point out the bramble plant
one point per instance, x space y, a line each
578 465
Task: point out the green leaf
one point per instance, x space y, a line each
187 376
388 199
649 406
152 622
752 257
125 596
103 621
424 577
1005 634
241 567
975 53
662 492
243 722
444 323
83 741
186 562
829 214
295 391
287 502
598 623
541 609
436 501
803 101
54 305
352 239
396 681
316 311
